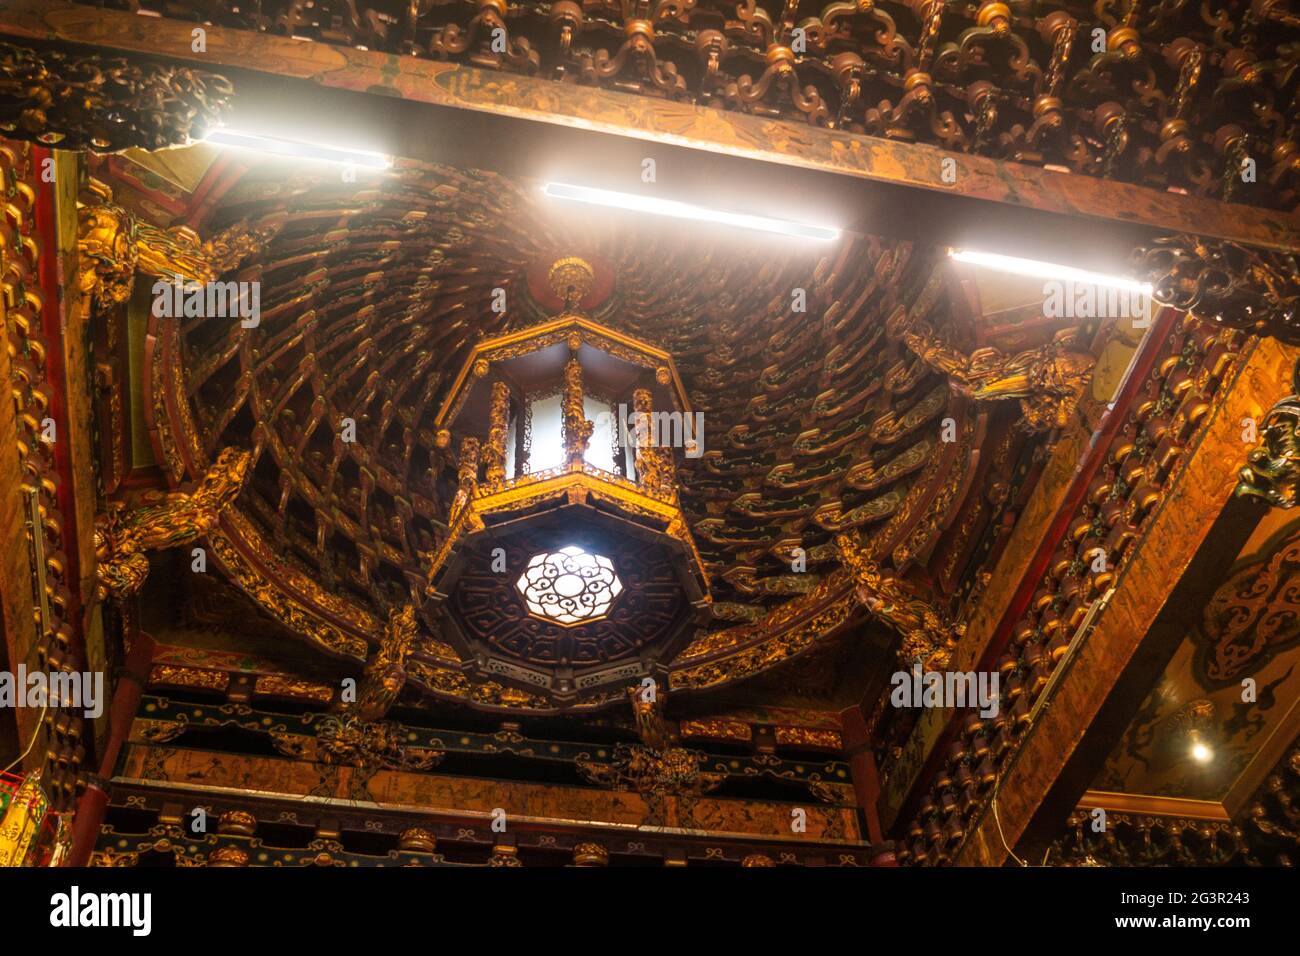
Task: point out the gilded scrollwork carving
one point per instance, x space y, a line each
590 854
178 251
114 244
122 537
308 609
108 240
745 579
1250 618
1048 381
462 517
494 455
232 245
654 465
717 728
1242 287
352 741
162 731
929 635
452 683
1272 469
108 857
385 675
785 632
577 429
77 100
648 714
657 764
571 278
672 770
466 474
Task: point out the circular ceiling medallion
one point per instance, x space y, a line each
571 278
569 586
594 280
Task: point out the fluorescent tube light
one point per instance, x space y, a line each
1047 270
223 136
682 210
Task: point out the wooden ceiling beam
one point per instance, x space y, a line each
537 128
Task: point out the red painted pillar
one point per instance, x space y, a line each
131 681
85 824
93 802
862 766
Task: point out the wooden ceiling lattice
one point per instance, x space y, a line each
817 417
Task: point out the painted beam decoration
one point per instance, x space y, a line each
1156 96
333 65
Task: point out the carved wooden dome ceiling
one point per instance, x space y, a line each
510 498
817 420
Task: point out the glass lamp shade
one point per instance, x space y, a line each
569 586
546 445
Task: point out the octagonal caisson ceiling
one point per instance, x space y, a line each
817 418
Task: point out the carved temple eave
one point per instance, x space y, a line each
123 537
115 245
1048 381
940 76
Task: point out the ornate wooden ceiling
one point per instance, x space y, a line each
1047 500
818 418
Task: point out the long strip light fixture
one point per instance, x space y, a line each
224 136
1047 270
682 210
